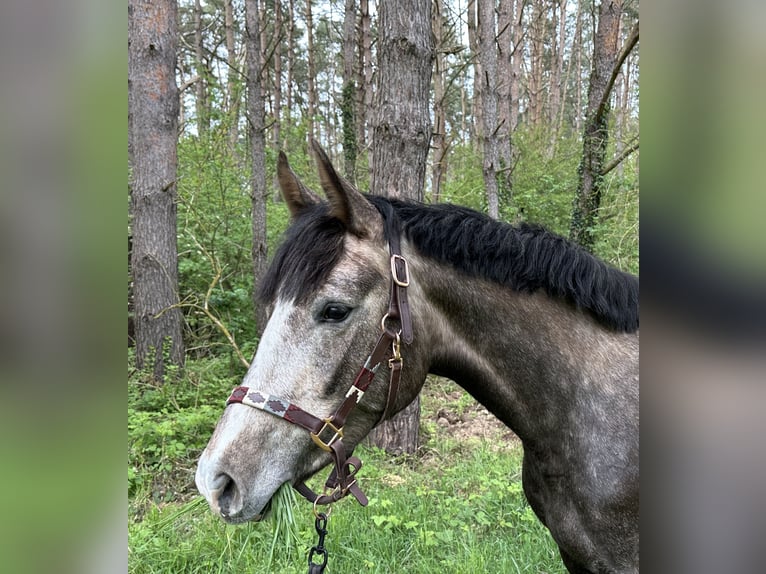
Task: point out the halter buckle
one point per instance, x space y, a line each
401 282
325 445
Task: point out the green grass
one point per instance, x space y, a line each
457 506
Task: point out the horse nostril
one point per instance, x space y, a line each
226 494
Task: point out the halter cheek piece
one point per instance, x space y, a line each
327 433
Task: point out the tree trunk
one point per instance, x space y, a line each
365 72
255 114
401 139
488 59
557 75
504 79
202 106
232 81
440 115
312 95
578 47
517 58
276 128
535 88
588 196
473 45
153 133
348 99
290 59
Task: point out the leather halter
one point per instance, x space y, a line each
327 433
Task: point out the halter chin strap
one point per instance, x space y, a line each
327 433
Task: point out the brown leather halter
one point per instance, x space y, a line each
327 433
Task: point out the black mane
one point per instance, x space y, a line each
524 257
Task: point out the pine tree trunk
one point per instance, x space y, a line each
312 95
473 45
348 98
588 195
517 58
153 105
364 84
504 79
440 115
557 87
276 128
232 82
290 59
401 139
488 59
255 114
202 106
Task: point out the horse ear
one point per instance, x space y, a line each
297 196
346 203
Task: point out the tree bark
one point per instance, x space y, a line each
276 128
366 84
473 45
488 59
535 87
517 58
504 80
153 105
348 98
312 95
557 76
605 67
440 115
401 139
290 58
202 105
255 112
232 80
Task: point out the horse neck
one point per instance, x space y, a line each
524 356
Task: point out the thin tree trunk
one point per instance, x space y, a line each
401 139
290 58
517 58
367 84
440 116
153 135
232 81
202 106
557 75
473 44
605 68
348 99
276 128
578 78
535 87
312 95
504 79
255 112
488 59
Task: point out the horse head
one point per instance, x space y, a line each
328 290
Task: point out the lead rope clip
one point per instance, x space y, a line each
320 524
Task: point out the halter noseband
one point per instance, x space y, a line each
327 433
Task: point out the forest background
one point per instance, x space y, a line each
318 79
531 115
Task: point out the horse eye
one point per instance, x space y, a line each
335 313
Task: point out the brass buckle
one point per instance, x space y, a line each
337 433
401 282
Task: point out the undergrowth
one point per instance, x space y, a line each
456 506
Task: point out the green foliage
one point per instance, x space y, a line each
169 425
458 508
543 187
543 182
214 242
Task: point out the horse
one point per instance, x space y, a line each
535 328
